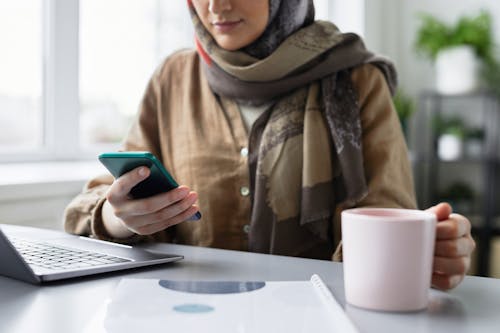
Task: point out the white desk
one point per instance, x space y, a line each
77 305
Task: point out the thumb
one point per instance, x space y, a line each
442 210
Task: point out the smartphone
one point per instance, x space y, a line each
159 180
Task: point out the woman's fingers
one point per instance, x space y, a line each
455 226
452 248
442 211
452 253
170 215
149 215
156 227
165 213
451 266
156 203
445 282
121 187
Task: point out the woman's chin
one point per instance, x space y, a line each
234 42
228 48
229 45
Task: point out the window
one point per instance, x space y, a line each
20 75
120 46
72 72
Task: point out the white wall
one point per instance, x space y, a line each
36 194
38 205
347 15
391 27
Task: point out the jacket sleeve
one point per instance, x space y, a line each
386 160
83 215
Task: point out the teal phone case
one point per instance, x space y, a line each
159 181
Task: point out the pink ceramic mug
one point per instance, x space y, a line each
387 256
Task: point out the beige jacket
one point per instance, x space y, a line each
201 140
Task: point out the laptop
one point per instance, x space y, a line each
38 255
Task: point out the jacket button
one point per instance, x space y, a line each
244 152
246 228
245 191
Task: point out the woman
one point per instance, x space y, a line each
276 123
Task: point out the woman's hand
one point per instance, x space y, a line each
453 249
124 216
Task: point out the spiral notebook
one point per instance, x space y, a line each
147 305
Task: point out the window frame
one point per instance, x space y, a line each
60 105
60 75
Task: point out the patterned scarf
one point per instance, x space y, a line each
305 152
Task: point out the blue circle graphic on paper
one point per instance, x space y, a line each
193 308
211 287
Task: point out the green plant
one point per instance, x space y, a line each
449 125
458 191
435 35
460 196
405 107
404 104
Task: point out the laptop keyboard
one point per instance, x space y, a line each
57 257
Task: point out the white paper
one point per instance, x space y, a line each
144 305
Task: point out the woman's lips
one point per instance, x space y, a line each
226 26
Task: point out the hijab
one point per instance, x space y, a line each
285 18
305 152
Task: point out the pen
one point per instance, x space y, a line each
332 305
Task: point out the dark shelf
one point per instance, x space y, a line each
476 94
466 160
494 232
429 169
